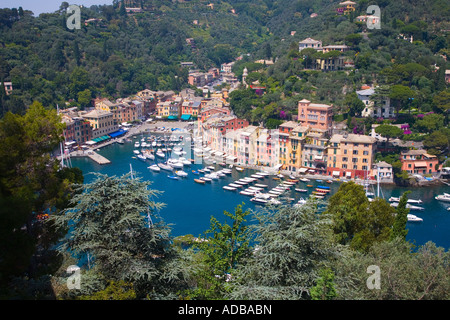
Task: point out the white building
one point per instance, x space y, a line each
310 43
384 170
380 111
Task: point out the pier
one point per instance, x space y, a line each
92 155
98 158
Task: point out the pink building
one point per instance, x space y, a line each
317 116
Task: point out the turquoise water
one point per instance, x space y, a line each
189 205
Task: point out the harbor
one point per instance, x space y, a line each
195 190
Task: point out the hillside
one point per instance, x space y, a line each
115 54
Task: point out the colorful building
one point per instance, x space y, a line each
315 115
419 162
350 156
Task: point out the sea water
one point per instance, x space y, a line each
189 205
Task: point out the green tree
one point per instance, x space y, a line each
291 245
355 105
84 98
33 186
325 287
356 221
406 273
116 290
114 221
389 132
221 249
400 95
401 217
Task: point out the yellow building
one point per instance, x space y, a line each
102 122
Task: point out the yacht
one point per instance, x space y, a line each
443 197
181 173
155 168
408 206
160 154
174 163
166 167
413 218
394 199
141 157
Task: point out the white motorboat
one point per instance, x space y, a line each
248 192
261 185
141 157
136 144
304 179
234 185
229 188
149 155
301 190
395 199
160 154
212 176
413 218
155 168
184 161
166 167
408 206
174 163
136 151
239 169
181 173
206 179
443 197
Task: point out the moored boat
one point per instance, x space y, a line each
201 181
155 168
443 197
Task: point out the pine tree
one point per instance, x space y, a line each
291 245
401 217
114 220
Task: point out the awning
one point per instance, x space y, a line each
105 138
96 140
348 174
420 164
117 133
91 142
70 143
336 173
172 118
303 170
185 117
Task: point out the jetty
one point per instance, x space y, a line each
90 154
98 158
